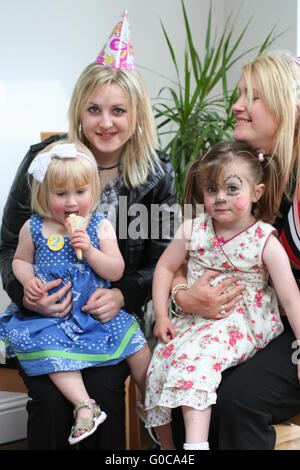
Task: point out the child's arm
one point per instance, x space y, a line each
167 265
106 262
278 264
22 265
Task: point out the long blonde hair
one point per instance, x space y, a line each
140 152
277 80
65 173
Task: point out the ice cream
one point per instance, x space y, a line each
75 222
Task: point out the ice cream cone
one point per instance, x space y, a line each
75 222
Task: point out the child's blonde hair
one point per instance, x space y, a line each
210 165
139 154
66 173
276 77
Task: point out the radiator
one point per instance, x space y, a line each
13 416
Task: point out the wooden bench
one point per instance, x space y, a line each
288 434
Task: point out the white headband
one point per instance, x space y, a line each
39 165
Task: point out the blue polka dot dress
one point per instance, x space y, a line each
77 341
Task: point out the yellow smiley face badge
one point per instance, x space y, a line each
55 242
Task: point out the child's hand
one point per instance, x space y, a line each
80 239
164 329
34 289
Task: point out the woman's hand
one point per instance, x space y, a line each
47 304
203 299
104 304
164 329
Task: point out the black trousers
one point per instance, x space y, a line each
50 415
251 398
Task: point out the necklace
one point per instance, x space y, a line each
103 168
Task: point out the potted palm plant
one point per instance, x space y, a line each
190 115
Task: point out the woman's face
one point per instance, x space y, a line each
256 126
105 122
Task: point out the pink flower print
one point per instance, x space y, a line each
258 298
221 241
259 336
168 351
241 256
217 366
197 358
190 368
241 311
187 384
232 341
215 243
249 338
173 363
202 226
226 265
258 232
183 356
201 251
255 267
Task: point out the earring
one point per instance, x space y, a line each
80 131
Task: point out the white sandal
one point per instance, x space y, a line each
88 424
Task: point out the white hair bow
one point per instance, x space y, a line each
39 165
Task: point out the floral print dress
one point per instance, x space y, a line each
187 370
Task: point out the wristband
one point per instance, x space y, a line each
177 310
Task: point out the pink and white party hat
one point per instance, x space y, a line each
118 52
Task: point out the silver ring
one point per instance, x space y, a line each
222 310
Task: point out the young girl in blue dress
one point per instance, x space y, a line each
66 181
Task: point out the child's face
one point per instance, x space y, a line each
66 201
230 199
105 122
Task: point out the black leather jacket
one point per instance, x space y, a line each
140 255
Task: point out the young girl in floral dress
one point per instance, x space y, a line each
238 188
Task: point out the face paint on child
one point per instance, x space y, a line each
230 198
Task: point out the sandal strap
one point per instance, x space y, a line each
83 424
91 404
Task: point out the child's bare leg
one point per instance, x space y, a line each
165 435
71 385
196 424
138 363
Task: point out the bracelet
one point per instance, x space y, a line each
178 310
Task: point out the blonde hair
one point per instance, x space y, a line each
140 148
277 80
211 164
67 173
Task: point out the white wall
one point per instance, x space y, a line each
44 45
265 15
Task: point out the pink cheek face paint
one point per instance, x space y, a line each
240 204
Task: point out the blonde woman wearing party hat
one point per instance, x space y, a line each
264 390
110 113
